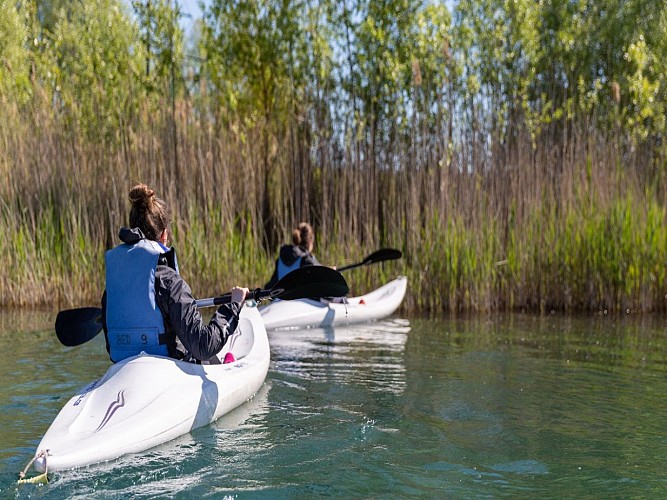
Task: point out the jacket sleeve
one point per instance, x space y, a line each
310 260
179 309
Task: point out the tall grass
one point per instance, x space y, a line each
570 226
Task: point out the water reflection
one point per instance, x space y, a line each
538 395
366 354
604 341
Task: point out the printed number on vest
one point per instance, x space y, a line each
123 339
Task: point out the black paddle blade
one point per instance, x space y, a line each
310 282
377 256
77 326
382 255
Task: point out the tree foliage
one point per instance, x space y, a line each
97 65
515 62
14 55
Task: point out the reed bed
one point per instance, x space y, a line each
574 226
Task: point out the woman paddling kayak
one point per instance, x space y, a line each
298 254
147 305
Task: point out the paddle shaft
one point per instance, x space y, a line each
77 326
257 295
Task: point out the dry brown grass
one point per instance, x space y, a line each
573 221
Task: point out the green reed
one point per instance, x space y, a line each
591 238
603 259
600 259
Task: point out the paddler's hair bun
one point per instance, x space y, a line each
149 213
296 237
142 197
303 235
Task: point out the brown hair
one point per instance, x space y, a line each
304 236
149 213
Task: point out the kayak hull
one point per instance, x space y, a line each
146 400
302 313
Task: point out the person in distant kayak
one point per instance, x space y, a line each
297 255
147 305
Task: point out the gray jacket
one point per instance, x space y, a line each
289 254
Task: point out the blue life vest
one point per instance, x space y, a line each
134 321
283 268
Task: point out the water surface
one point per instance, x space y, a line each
491 406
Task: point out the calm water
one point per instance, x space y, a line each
499 406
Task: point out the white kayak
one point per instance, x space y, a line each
301 313
146 400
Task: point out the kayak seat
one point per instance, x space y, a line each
333 300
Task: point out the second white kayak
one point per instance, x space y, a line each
377 304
